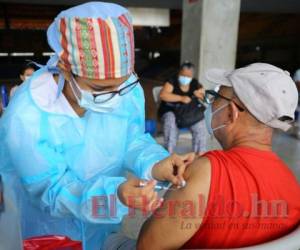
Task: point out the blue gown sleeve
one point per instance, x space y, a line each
51 184
143 152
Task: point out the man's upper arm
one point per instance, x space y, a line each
179 218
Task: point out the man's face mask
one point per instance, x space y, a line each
208 114
103 102
184 80
210 97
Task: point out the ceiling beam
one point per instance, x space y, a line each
169 4
270 6
263 6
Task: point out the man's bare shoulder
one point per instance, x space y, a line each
165 231
200 168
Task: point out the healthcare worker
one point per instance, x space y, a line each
75 127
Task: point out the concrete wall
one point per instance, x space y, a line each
209 38
209 34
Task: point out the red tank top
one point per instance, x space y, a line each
254 198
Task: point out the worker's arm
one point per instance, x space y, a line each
50 181
166 94
143 152
166 228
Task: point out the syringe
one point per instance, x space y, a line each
161 187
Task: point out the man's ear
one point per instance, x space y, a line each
233 112
22 77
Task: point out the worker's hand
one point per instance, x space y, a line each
186 99
143 198
172 168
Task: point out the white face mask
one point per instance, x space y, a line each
87 100
26 78
184 80
208 114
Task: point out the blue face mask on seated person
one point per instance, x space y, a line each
103 102
185 80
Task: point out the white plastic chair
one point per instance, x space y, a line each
156 91
288 242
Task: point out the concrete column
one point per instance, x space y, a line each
209 38
209 34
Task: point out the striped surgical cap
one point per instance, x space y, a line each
94 40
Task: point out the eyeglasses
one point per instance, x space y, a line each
211 95
102 97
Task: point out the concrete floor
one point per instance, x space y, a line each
288 149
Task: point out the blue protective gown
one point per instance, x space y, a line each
57 163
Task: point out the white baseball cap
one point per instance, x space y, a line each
268 92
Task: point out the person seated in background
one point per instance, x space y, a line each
180 108
3 98
26 72
244 194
